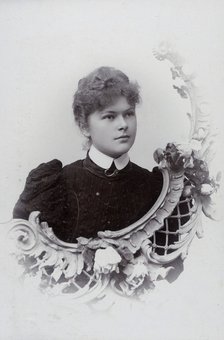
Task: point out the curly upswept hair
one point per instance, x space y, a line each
99 89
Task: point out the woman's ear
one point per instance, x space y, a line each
85 130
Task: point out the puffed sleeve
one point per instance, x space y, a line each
41 191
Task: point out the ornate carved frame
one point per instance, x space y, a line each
130 260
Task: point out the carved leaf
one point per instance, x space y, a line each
182 90
126 253
80 263
56 273
71 269
175 72
158 155
208 207
38 250
156 271
50 258
88 257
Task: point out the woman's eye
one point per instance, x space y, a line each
109 117
130 113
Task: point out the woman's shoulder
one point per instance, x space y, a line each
45 169
153 178
52 167
74 165
49 174
41 178
43 184
155 171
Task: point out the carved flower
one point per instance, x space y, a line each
106 260
209 207
207 189
184 149
163 49
195 144
208 197
135 272
200 134
187 191
138 270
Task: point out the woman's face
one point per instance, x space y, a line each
113 129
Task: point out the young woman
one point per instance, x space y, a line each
104 191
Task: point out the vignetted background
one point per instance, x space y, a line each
46 47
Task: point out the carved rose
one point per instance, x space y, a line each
135 272
206 189
106 260
163 50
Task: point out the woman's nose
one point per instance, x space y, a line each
122 124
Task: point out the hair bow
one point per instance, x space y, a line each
100 84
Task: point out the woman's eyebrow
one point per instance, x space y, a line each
115 112
129 109
111 111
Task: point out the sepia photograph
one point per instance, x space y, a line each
111 139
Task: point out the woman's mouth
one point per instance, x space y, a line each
124 137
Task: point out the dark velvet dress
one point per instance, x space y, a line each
80 199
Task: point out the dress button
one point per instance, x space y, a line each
97 193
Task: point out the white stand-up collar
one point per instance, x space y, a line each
105 161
